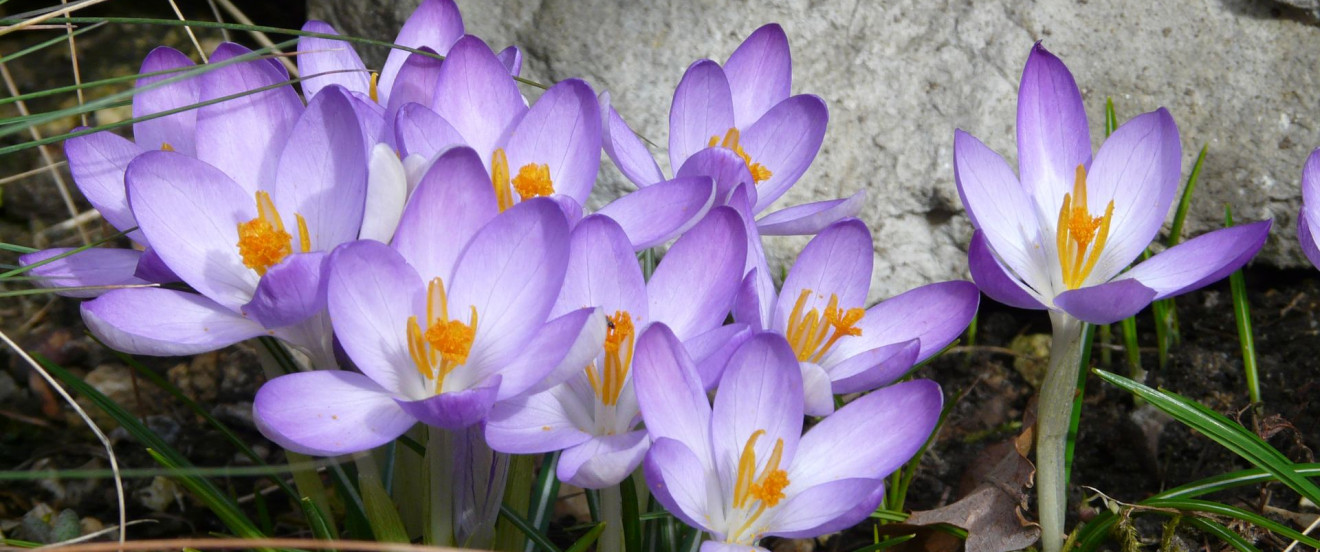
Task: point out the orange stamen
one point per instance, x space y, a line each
445 344
533 181
619 339
759 172
767 489
499 178
262 241
812 334
1076 231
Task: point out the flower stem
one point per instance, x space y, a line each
1053 415
611 512
439 529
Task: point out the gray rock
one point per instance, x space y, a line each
900 76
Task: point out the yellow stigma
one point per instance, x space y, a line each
759 172
766 489
371 87
619 338
533 181
1076 230
499 179
445 344
165 146
812 335
263 242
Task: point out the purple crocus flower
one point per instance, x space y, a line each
841 347
593 415
440 351
1308 220
1059 235
743 469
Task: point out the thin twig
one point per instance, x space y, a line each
190 32
1308 530
215 11
73 57
76 222
259 36
25 174
50 15
92 536
105 441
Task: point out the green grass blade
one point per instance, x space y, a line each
1185 202
889 542
588 539
1129 329
381 513
219 503
1242 317
48 43
316 518
43 262
1209 507
90 85
22 249
632 526
355 514
1111 117
544 494
533 535
1223 533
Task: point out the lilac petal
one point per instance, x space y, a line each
322 173
190 212
702 109
1106 303
760 391
817 393
810 218
935 314
875 368
869 437
454 410
625 148
164 322
1138 168
98 162
710 351
692 289
571 208
1052 134
87 268
994 280
827 508
153 269
510 272
531 425
603 461
655 214
1201 260
1306 236
860 512
669 391
179 129
1311 179
760 72
602 271
244 136
558 351
387 192
420 131
435 24
371 116
290 292
512 58
717 546
315 338
785 141
370 294
337 58
837 262
456 193
416 83
476 94
678 477
997 205
721 164
328 412
562 131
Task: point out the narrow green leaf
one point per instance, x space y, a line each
1129 328
90 84
1111 118
632 526
544 494
48 43
1242 317
1209 507
20 543
891 541
1185 202
355 515
219 503
381 513
23 249
890 515
588 539
532 534
1223 533
316 519
102 241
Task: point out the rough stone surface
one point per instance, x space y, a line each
900 76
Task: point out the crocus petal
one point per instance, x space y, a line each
1306 236
1137 168
98 162
531 425
679 480
562 131
420 131
476 94
328 412
244 136
322 174
190 211
1052 134
702 109
1311 179
179 129
1106 303
717 546
760 391
387 191
558 351
869 437
1201 260
710 351
164 322
875 368
817 510
692 289
837 262
603 461
153 269
760 72
455 192
810 218
512 58
602 271
370 293
371 116
99 266
435 24
994 280
999 207
721 164
755 302
416 83
336 58
290 292
669 391
785 141
653 215
817 393
935 314
625 148
454 410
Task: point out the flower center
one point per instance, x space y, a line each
757 492
1076 230
759 172
533 180
812 335
263 242
619 337
444 344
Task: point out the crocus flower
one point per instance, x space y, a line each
841 347
1060 234
593 415
441 325
743 469
1308 220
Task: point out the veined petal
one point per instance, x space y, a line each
153 269
993 278
702 108
602 271
1052 134
625 148
477 96
827 508
328 412
817 391
935 313
604 460
655 214
454 410
322 173
1306 235
420 131
98 266
1106 303
1311 180
669 392
435 24
710 351
417 80
165 322
558 351
512 58
760 391
717 546
531 425
98 162
837 262
1201 260
179 129
680 480
387 192
875 368
721 164
759 72
337 58
810 218
692 289
786 140
561 131
456 193
290 292
998 207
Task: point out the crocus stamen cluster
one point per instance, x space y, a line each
1076 229
758 171
767 489
372 90
445 343
533 180
812 335
619 338
263 242
499 179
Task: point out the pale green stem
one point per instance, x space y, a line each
1053 416
611 512
479 479
439 528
